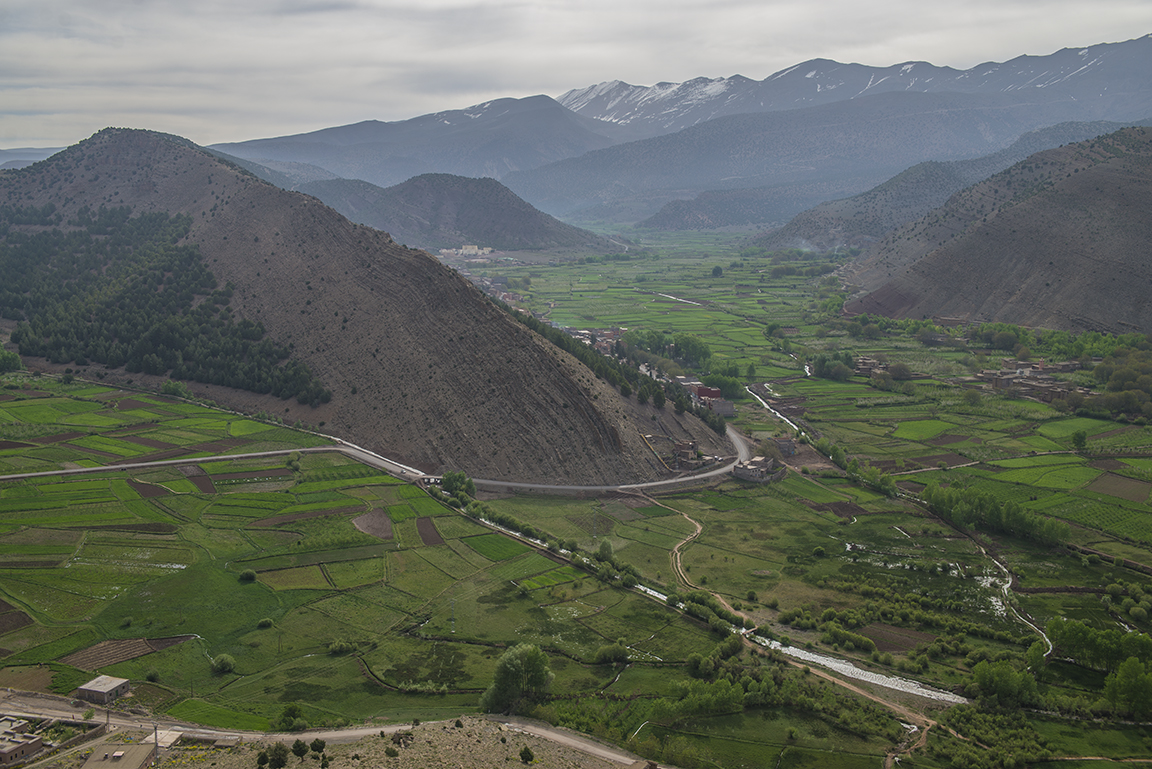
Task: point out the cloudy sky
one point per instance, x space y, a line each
216 70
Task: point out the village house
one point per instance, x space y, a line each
103 690
760 470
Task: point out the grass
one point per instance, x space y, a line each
496 547
217 716
443 614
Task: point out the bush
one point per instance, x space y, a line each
340 646
611 654
264 624
391 752
247 576
223 664
526 755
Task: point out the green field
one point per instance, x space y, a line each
271 570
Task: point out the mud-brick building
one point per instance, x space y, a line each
103 690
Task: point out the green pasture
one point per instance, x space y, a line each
496 547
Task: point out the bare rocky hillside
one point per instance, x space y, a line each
1059 240
422 367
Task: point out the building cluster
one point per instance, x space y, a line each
1032 379
17 743
708 397
603 340
760 470
686 455
466 251
866 366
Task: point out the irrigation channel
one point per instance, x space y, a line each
837 665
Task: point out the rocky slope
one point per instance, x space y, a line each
860 220
421 366
1059 240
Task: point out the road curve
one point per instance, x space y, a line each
743 453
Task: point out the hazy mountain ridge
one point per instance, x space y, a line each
848 147
1076 73
1058 240
422 367
489 139
860 220
446 211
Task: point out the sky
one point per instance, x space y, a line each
227 70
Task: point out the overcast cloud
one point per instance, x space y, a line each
217 71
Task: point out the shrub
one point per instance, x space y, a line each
247 576
526 755
264 624
391 752
223 664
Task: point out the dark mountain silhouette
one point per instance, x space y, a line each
420 365
488 139
445 211
1059 240
860 220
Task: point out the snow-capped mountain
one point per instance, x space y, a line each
1117 71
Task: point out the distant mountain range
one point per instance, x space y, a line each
1058 240
490 139
804 155
816 131
726 151
1115 71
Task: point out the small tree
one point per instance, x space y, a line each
247 576
223 664
526 753
278 756
522 672
300 749
1079 440
262 759
318 745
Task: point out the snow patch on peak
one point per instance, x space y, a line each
811 74
906 68
578 98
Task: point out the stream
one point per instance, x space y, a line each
847 669
775 413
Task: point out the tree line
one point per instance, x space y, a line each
971 509
120 290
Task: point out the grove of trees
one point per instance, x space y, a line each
135 298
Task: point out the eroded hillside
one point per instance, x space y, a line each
420 365
1058 240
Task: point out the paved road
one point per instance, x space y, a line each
743 453
404 472
355 452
